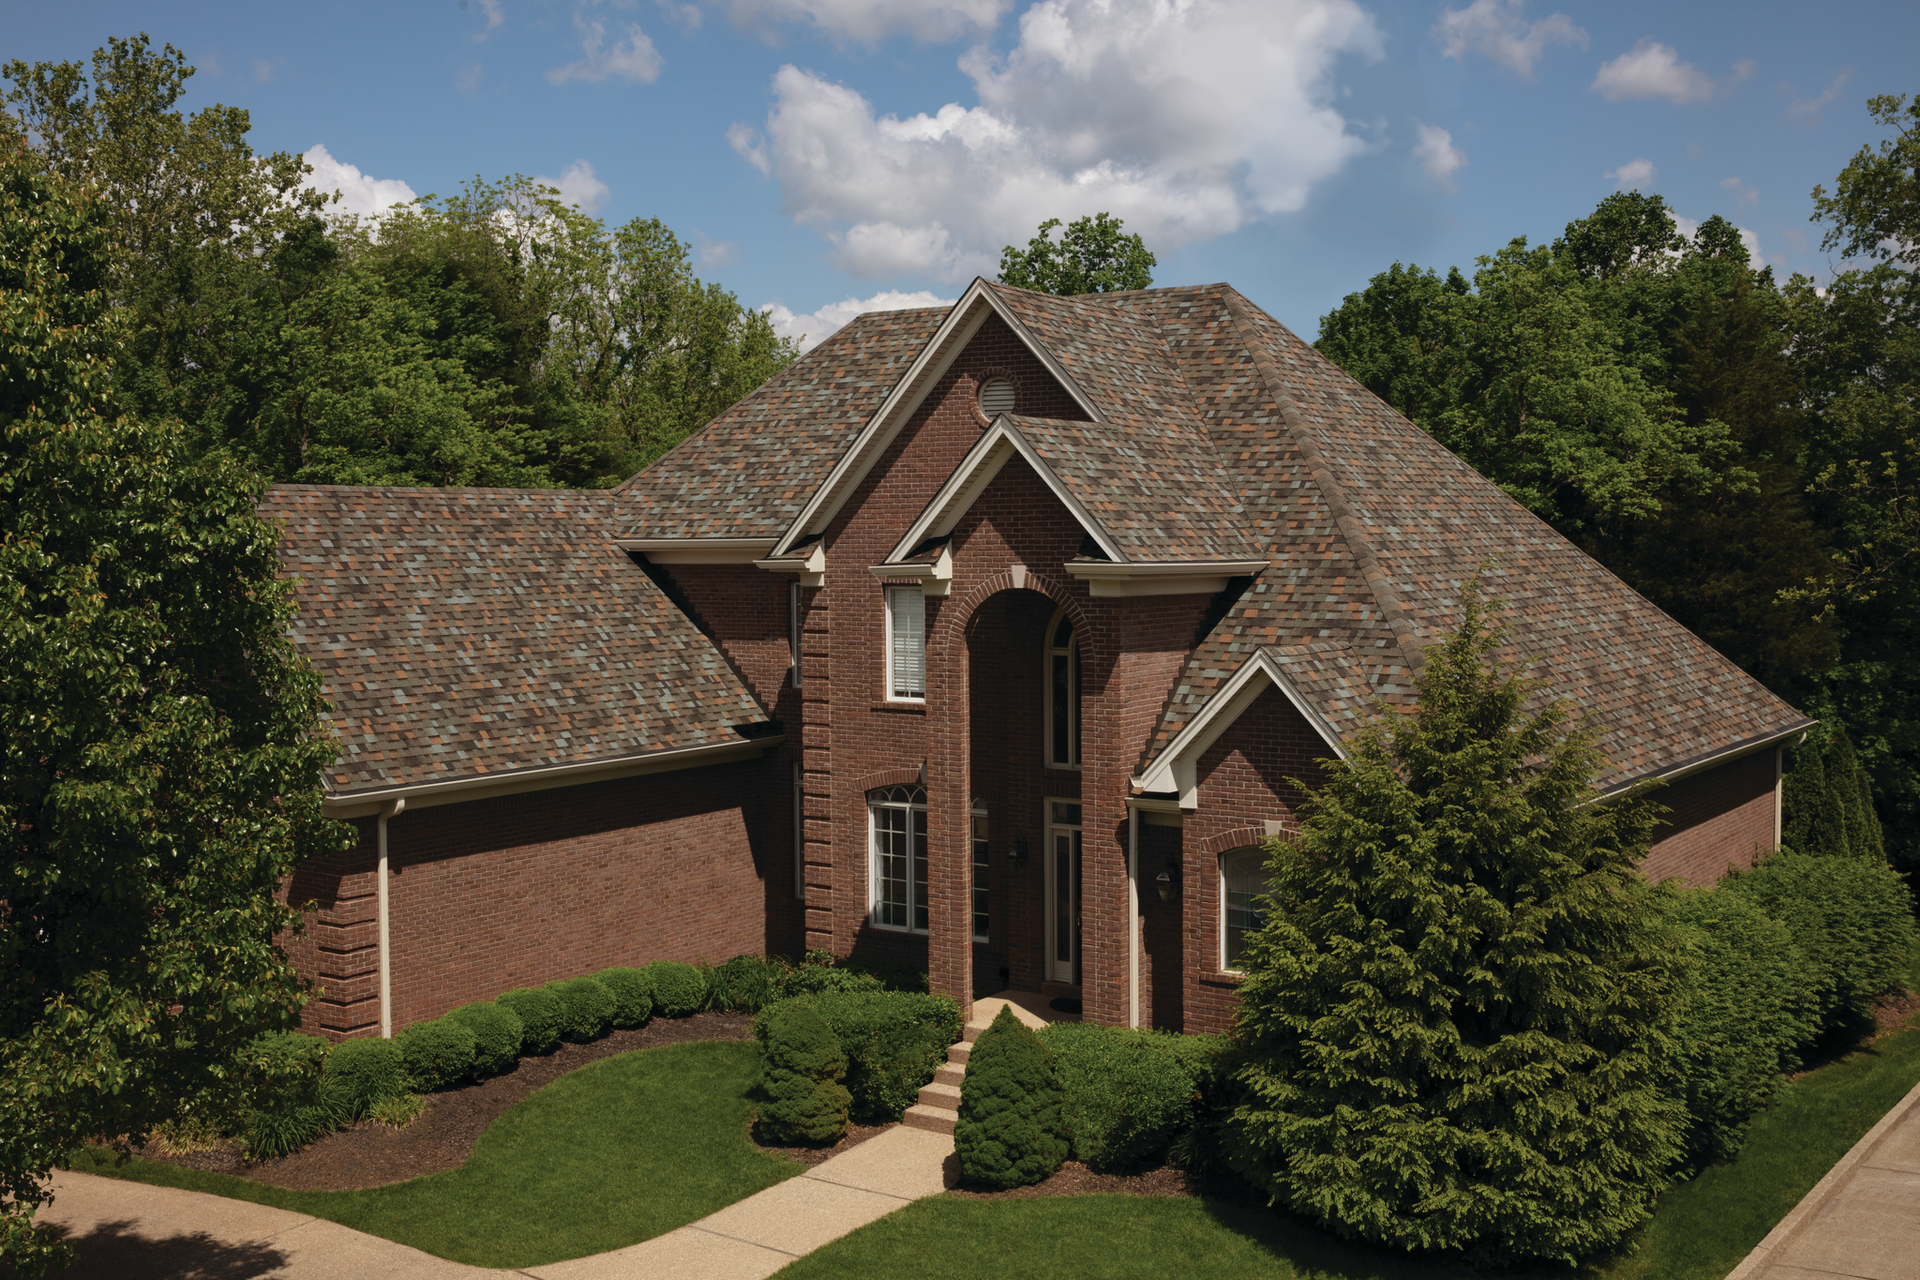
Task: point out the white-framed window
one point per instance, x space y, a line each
897 888
1243 876
1062 694
906 644
793 630
982 875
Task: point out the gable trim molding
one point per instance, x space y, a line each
698 550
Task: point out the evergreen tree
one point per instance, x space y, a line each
1454 1012
1811 820
1011 1132
1853 796
804 1099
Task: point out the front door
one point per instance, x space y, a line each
1063 891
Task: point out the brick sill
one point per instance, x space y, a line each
1221 978
902 708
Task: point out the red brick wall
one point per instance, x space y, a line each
520 890
1720 818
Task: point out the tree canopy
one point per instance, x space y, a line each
1094 255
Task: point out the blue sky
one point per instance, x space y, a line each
824 154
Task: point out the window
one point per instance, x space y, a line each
898 816
982 873
906 644
793 630
1063 694
799 836
1243 875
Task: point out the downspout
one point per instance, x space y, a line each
1779 771
1133 916
394 810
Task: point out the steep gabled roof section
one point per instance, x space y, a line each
469 632
748 473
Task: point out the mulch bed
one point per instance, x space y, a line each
1892 1012
371 1155
810 1156
1075 1179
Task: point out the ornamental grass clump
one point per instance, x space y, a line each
586 1008
1126 1098
438 1054
541 1018
1010 1132
632 995
802 1099
1455 1017
497 1036
292 1102
678 989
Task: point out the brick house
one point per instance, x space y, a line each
982 637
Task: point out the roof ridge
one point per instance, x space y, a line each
1405 634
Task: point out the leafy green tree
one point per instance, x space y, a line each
1874 210
1093 256
1455 1013
157 772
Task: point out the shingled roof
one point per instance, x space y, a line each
470 632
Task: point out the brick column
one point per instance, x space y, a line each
949 817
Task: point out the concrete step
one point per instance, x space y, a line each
958 1054
932 1119
945 1096
952 1073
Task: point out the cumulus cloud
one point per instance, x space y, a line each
1634 173
716 253
812 328
631 57
868 22
1186 121
1437 154
1499 29
1807 110
579 185
1740 189
495 15
358 192
1653 70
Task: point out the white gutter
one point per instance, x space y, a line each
1133 916
394 810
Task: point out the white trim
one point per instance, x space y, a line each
1048 652
1050 889
393 810
812 570
873 854
796 630
939 353
976 471
1186 577
1220 874
698 550
886 605
1133 916
1174 768
935 577
426 795
977 810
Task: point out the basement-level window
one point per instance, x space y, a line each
1243 877
906 644
897 885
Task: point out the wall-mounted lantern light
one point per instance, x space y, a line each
1017 854
1166 880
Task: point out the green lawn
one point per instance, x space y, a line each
617 1152
1700 1232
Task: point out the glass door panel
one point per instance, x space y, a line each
1063 892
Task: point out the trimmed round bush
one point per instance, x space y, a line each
894 1040
632 995
540 1014
438 1054
586 1008
802 1100
366 1071
678 989
497 1036
1125 1099
1010 1130
1852 919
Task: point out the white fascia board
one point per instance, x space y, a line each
970 479
948 341
1174 769
1188 577
935 577
811 569
698 550
427 795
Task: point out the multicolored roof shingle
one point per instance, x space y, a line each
467 632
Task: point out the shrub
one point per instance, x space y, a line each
894 1042
438 1054
632 995
803 1100
269 1134
1852 919
498 1034
1126 1096
819 979
541 1017
365 1071
398 1111
1744 1000
290 1102
1009 1134
747 983
678 989
586 1008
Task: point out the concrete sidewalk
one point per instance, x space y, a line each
132 1231
1861 1221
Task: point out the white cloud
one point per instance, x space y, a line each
1740 190
1186 120
263 70
631 58
1653 70
495 16
1807 110
684 16
579 185
358 192
1634 173
1500 30
868 22
814 327
716 253
1437 154
467 79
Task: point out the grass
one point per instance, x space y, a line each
1701 1228
620 1151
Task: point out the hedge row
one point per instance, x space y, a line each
892 1042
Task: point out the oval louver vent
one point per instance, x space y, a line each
996 397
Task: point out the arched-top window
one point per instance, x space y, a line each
1063 693
897 883
1243 877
